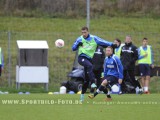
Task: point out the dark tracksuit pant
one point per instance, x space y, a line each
97 74
130 77
88 69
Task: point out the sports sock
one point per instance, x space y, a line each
101 88
145 89
105 90
82 97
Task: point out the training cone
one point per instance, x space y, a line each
79 92
27 93
50 93
20 93
71 92
1 92
6 92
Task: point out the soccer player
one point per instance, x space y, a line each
145 62
113 74
86 45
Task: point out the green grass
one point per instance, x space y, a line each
102 24
66 107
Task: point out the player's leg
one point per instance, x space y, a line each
84 86
98 77
97 74
89 68
147 80
84 89
105 87
107 92
134 81
112 80
143 81
146 85
101 88
123 85
142 74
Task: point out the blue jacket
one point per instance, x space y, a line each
113 66
98 40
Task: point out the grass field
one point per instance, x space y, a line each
99 25
67 107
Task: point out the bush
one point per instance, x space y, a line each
77 8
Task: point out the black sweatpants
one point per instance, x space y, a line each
88 70
97 74
128 75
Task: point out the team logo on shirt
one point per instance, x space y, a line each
129 51
110 66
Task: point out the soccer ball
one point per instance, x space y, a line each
59 43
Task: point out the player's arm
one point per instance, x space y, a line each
135 51
102 42
139 54
76 44
152 58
